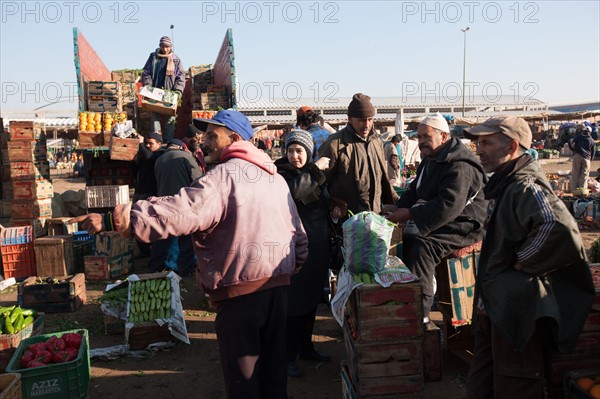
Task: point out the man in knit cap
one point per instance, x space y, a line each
356 175
443 209
307 119
164 70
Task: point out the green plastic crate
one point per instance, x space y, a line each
54 381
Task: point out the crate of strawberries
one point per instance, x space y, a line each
62 358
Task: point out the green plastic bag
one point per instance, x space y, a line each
367 237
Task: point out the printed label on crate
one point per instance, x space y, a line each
26 130
28 151
32 189
29 170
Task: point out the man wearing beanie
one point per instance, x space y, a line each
164 70
245 258
357 176
443 209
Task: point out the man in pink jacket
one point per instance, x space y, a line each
245 260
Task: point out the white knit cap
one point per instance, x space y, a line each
436 121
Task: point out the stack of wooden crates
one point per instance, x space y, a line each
383 336
32 189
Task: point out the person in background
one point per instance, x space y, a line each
175 169
584 150
393 157
443 209
534 288
164 70
220 211
307 186
356 169
143 168
78 167
195 139
308 120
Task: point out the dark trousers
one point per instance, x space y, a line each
421 255
251 336
299 331
173 253
498 372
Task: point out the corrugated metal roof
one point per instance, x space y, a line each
66 123
388 102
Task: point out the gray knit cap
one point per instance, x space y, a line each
302 137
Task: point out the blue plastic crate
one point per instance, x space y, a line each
82 236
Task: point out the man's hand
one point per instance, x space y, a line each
389 208
92 222
121 219
401 215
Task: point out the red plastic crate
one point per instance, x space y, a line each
18 260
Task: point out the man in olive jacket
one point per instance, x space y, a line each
534 287
356 176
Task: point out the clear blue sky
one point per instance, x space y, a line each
549 50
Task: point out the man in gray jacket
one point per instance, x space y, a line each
443 208
534 288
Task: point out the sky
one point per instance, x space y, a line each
547 50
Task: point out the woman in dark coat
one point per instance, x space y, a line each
307 186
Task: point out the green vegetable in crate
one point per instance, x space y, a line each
149 300
14 319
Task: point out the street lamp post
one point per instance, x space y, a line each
464 30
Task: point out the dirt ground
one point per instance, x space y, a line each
194 370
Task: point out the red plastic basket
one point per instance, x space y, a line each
18 260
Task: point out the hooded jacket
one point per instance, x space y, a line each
530 225
240 250
450 186
358 174
583 144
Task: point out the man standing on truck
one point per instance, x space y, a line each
164 70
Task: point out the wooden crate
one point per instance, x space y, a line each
7 191
5 208
26 131
90 140
10 342
106 196
123 149
54 256
32 189
60 227
103 267
4 156
27 151
432 355
350 392
143 334
30 170
381 314
104 104
99 88
10 386
53 298
113 325
31 209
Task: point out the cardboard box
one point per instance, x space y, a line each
159 107
29 170
102 267
32 189
53 298
27 151
387 314
54 255
123 149
31 209
456 287
26 130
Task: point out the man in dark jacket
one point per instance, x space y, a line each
534 288
164 70
174 170
584 149
356 175
443 207
308 120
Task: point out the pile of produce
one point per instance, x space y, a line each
14 319
53 350
590 385
149 300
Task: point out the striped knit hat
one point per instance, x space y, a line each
303 138
166 40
